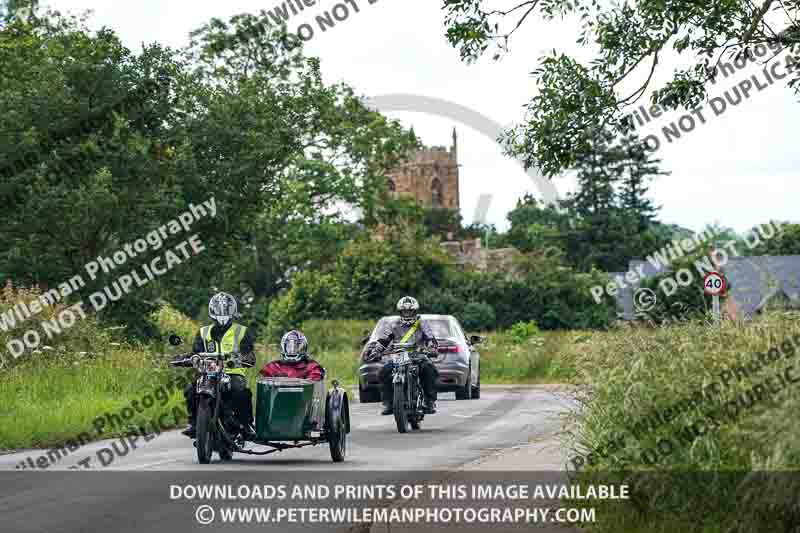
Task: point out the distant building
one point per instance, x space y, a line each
757 283
430 176
626 308
470 255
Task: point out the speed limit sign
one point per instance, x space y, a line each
714 284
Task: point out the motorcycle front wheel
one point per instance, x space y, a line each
400 415
205 439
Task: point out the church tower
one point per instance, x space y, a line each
430 176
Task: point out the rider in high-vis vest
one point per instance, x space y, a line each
227 336
410 328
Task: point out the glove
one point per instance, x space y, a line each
375 352
181 359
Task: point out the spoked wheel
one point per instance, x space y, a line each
337 440
224 450
205 440
416 418
400 415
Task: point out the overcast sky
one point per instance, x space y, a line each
739 169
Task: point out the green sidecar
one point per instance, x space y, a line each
294 413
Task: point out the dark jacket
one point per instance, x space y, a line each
246 344
422 337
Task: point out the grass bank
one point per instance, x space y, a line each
693 410
55 393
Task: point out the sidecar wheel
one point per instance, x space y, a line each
337 440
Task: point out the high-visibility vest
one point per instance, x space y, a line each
410 332
229 343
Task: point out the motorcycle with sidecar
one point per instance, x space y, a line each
290 412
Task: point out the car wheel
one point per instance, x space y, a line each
366 395
476 389
465 392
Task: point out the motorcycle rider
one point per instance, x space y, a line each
227 336
410 328
295 361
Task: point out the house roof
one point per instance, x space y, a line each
648 270
756 280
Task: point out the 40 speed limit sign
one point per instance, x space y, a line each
714 284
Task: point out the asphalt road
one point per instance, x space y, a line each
131 493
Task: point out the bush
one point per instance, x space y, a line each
170 320
522 331
375 274
86 335
554 296
442 302
312 295
478 316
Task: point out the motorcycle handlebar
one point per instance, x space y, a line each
186 359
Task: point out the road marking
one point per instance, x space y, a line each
148 465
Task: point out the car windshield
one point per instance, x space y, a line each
441 327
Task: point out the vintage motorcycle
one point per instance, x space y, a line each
403 359
290 413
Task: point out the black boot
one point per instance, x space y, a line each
387 409
249 433
429 406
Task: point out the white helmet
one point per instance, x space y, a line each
222 308
408 309
294 346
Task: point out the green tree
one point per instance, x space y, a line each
374 274
629 39
312 295
785 242
106 144
534 226
306 148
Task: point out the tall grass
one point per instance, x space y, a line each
55 392
630 374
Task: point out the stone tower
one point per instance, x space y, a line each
430 176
